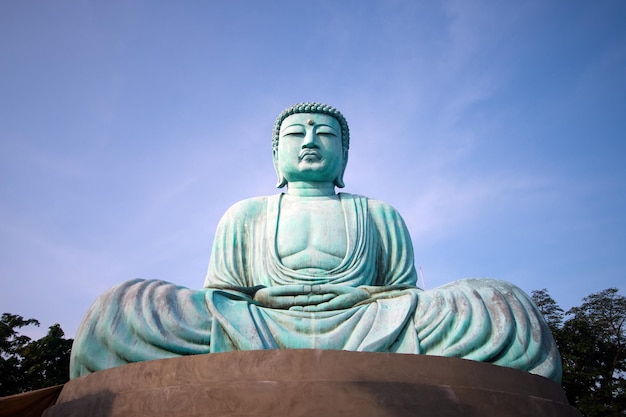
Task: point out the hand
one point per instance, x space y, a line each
310 297
343 297
289 296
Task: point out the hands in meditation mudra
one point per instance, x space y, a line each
313 269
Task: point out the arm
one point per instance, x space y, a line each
395 257
229 266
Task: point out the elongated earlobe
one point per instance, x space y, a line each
281 179
339 180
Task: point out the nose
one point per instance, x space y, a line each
310 140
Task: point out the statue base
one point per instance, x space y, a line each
311 383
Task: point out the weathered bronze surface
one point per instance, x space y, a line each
314 269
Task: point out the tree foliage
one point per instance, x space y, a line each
592 342
27 365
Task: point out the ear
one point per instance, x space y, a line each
339 180
281 179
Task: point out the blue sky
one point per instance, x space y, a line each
127 128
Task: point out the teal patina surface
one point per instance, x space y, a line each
314 269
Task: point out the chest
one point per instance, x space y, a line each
310 225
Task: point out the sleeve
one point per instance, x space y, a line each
395 251
228 267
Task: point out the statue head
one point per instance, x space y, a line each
326 121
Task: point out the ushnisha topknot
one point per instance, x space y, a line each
313 107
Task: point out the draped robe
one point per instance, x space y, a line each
480 319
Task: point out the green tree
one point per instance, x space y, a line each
26 364
549 308
11 344
592 342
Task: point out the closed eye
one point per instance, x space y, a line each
293 130
326 130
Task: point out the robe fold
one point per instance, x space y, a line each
481 319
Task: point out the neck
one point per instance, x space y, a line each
310 189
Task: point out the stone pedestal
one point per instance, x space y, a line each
311 383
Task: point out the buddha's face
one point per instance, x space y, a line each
310 148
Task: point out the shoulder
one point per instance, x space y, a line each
246 209
249 204
378 208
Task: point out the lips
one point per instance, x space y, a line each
308 154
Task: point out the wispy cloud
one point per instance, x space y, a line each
446 206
